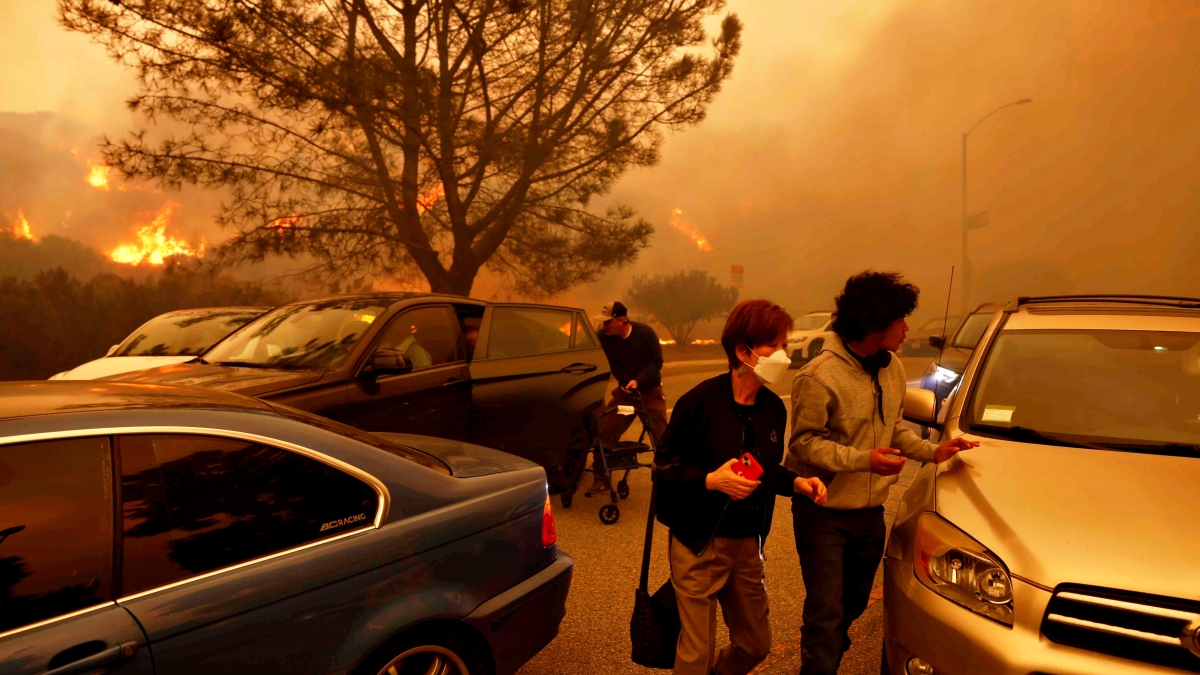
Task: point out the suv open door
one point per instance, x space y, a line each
538 376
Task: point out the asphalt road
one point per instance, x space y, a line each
594 636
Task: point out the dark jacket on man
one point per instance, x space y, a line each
704 433
636 357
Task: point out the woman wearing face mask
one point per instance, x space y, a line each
718 518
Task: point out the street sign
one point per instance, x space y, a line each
977 220
737 275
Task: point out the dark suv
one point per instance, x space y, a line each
521 378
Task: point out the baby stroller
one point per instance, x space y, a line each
621 457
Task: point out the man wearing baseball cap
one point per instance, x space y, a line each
636 359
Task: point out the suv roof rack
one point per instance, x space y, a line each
1113 298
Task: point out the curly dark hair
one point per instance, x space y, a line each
872 301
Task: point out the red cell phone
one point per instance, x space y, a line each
748 467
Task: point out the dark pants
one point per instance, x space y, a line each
613 426
839 553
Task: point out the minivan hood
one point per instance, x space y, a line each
115 365
1056 515
247 381
464 459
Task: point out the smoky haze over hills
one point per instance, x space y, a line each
836 147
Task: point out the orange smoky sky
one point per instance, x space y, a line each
836 145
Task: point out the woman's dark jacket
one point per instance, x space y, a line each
704 433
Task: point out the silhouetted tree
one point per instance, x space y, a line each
403 138
679 301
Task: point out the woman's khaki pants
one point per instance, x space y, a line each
728 571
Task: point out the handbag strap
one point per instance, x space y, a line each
644 582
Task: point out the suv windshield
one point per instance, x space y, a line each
185 333
972 329
812 322
1119 389
310 336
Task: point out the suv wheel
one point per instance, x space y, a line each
427 652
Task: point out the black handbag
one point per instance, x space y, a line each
654 627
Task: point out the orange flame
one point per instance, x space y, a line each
20 229
429 198
154 246
678 222
98 175
284 223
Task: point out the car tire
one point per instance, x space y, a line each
429 650
815 348
567 498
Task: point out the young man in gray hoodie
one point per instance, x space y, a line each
846 412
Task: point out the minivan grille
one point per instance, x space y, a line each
1136 626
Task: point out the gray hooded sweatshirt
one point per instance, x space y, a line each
836 423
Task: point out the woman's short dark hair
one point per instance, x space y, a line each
872 301
752 323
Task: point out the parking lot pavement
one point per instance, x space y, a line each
594 636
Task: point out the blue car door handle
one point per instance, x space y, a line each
579 368
108 657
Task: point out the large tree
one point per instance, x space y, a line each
409 138
679 301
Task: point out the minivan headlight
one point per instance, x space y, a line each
960 569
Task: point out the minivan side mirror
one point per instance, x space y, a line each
387 362
920 407
937 342
111 350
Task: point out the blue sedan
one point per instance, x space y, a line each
154 529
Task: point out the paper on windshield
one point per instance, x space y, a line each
998 413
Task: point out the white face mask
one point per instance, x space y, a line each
772 369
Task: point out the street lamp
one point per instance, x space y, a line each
980 219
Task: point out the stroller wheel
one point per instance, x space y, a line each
623 489
567 498
609 514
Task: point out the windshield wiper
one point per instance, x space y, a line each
1019 433
1176 449
242 364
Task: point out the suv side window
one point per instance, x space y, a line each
56 528
583 338
193 504
425 335
524 331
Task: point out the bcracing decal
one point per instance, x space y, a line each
344 521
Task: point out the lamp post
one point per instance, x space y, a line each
966 267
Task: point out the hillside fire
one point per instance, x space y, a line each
20 229
680 223
98 175
154 246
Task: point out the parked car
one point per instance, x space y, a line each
808 336
1067 542
943 374
167 339
522 378
917 342
225 534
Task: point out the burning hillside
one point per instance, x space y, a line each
154 245
680 223
20 228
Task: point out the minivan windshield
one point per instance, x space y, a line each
1118 389
972 329
812 322
185 333
309 336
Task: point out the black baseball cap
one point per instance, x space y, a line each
612 310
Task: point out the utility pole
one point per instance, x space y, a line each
969 222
